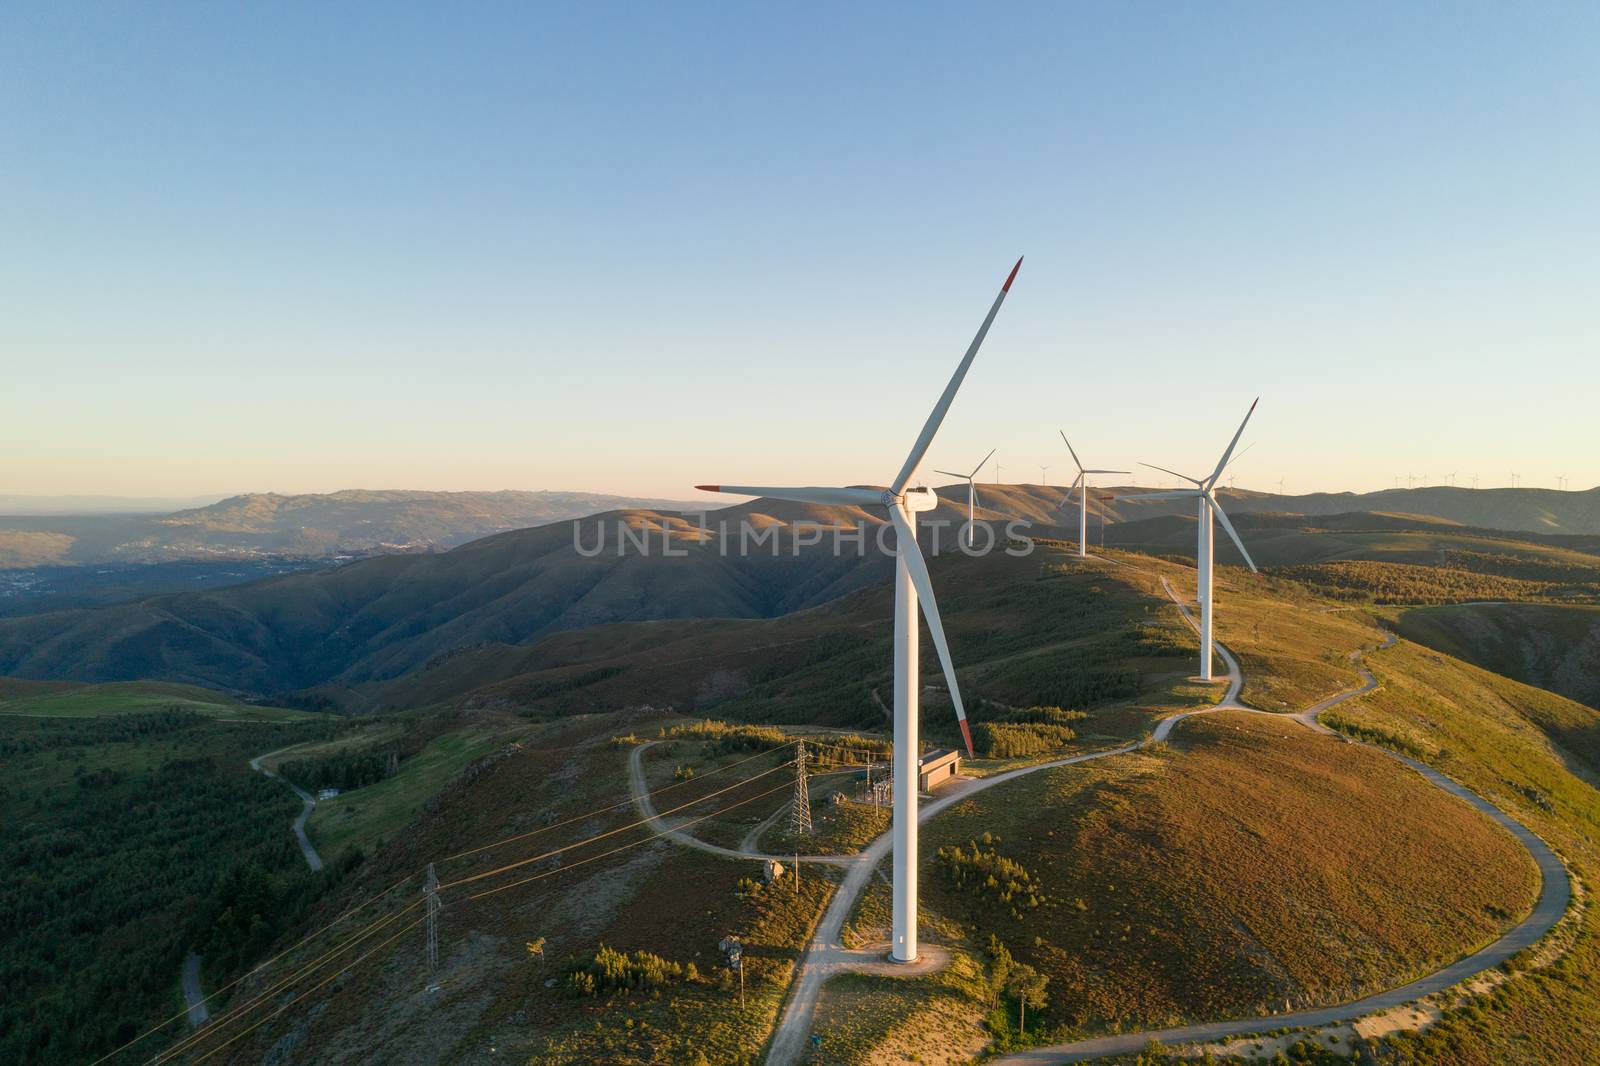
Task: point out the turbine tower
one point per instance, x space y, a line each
912 588
1203 491
972 493
1081 486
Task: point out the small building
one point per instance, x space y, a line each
327 793
937 767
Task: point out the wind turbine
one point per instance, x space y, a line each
1081 486
912 588
1203 492
1044 474
972 493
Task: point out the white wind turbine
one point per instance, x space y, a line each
1081 486
912 587
972 493
1203 491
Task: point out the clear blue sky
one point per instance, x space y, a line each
631 247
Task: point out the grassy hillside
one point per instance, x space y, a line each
1536 755
1553 647
1292 867
58 699
671 902
1046 629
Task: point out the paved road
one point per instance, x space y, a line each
195 999
1554 895
299 825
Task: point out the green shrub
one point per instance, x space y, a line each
1005 740
613 971
980 869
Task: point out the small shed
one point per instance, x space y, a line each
327 793
937 767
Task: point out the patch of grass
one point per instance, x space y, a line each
72 700
359 820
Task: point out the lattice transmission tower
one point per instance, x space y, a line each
800 816
430 889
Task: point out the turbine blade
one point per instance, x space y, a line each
1223 517
929 428
808 494
1233 443
951 473
1174 473
986 458
1175 494
1068 443
1108 471
911 555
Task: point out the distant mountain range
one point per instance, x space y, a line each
378 618
269 525
1519 510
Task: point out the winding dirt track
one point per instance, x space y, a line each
827 956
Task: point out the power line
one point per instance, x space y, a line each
245 976
607 810
633 844
611 832
239 1011
310 990
189 1043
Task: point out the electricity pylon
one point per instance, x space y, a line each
800 816
430 889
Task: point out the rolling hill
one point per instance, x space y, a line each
1555 647
377 618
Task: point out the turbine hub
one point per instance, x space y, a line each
889 498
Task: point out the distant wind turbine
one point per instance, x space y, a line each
912 588
1044 474
1203 491
972 494
1081 486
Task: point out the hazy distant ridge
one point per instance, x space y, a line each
357 521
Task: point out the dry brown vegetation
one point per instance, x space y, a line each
1249 864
